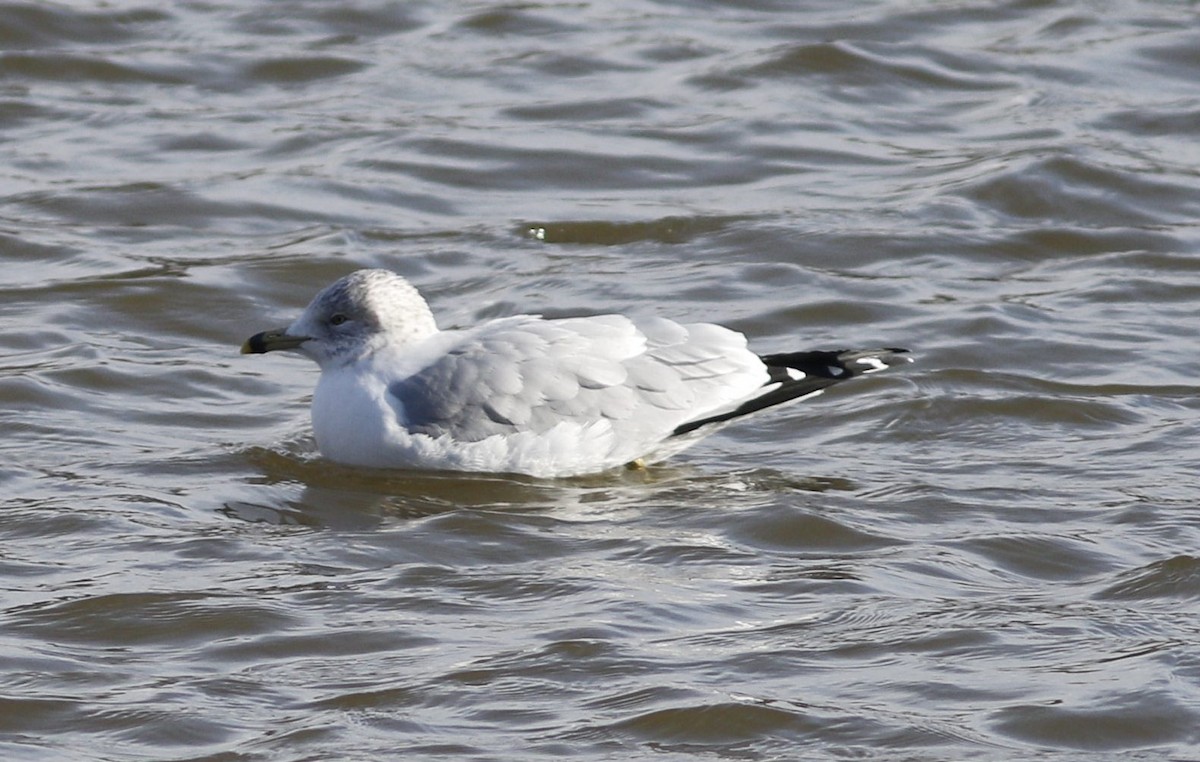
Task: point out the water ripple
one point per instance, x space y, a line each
990 555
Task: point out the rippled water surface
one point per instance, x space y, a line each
990 554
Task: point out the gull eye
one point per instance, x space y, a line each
337 319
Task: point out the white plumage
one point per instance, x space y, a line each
527 395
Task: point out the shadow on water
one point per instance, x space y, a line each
335 496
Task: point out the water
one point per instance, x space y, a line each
991 554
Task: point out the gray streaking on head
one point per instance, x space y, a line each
527 395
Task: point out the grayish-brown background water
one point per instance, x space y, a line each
992 554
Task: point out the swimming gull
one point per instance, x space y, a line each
524 394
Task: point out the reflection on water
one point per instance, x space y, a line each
989 556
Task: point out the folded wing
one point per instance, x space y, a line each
529 374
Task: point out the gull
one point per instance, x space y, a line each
529 395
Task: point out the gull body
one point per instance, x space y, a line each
547 398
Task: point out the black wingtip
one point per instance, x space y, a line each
796 375
837 365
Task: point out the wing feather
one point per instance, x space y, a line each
529 374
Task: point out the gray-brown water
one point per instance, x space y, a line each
992 554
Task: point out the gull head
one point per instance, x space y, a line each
352 318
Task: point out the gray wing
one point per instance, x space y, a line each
529 374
